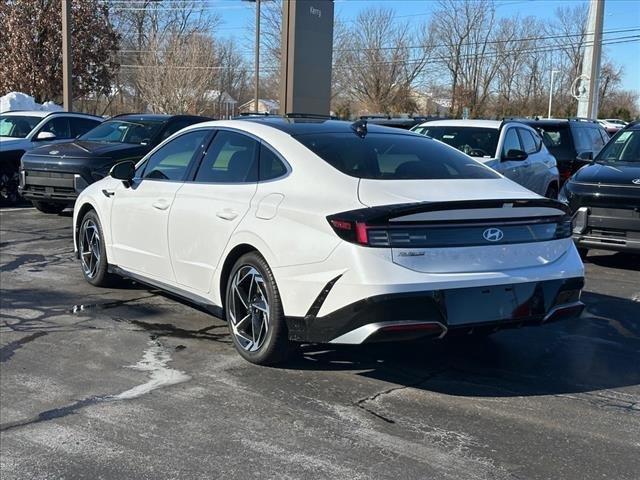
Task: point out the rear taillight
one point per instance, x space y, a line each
355 232
439 235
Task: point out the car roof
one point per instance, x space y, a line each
464 123
141 117
43 114
302 126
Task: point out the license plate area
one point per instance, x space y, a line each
483 304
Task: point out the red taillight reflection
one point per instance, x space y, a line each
341 224
361 233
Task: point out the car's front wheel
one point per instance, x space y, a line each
93 255
48 207
254 312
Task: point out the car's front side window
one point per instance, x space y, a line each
59 126
231 158
17 126
528 141
511 142
171 161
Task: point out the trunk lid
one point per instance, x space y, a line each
457 226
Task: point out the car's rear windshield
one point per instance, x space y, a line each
385 156
623 148
17 126
474 141
121 131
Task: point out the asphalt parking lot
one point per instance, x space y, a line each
130 383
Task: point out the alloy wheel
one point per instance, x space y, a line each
90 248
249 308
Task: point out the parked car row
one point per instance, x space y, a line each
22 131
52 176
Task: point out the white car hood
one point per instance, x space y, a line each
388 192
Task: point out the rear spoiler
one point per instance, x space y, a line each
382 214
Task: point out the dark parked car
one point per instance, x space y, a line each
21 131
51 177
574 141
605 196
405 123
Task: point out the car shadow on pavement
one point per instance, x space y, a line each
600 350
620 260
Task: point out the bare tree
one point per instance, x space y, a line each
152 31
382 62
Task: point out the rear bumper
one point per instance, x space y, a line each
608 229
436 313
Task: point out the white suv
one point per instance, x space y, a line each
513 149
309 230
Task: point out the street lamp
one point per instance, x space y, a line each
553 72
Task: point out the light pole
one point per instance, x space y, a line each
553 72
256 93
67 96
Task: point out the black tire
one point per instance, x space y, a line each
48 207
96 272
583 252
552 192
274 346
9 181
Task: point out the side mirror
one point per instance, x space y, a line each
515 155
45 136
585 156
124 171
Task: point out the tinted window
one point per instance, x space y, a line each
582 139
511 142
393 156
122 131
528 141
596 139
170 162
17 126
173 127
58 126
624 147
80 126
476 142
555 137
231 158
270 165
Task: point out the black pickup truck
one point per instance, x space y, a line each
53 176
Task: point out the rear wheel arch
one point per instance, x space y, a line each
230 260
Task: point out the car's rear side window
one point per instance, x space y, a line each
393 157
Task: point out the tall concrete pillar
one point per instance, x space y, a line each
307 48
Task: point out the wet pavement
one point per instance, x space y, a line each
130 383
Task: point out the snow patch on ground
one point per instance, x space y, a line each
22 101
154 361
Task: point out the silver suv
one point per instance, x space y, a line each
511 148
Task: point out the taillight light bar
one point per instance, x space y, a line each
427 235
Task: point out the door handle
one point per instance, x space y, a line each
161 204
227 214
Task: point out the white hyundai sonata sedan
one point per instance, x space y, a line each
302 230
